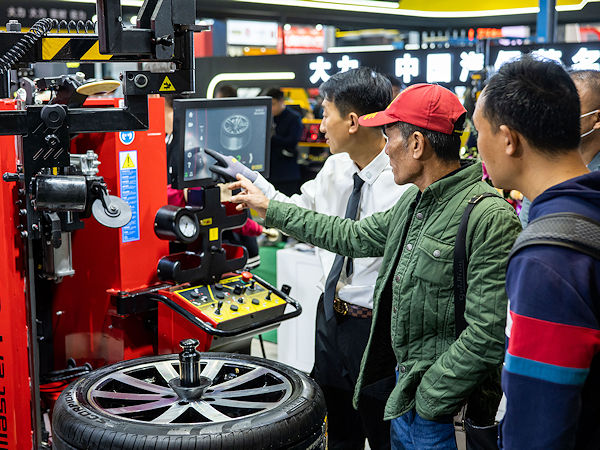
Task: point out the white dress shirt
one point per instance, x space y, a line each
328 193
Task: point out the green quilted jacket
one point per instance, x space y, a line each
413 301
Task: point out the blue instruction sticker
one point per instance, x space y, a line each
128 170
127 137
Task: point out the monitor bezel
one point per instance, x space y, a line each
180 107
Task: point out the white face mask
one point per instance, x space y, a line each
585 115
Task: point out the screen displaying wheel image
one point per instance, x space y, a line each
238 131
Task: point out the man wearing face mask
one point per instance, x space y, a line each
587 83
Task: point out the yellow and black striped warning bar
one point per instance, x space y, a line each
76 48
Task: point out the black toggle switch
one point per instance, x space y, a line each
240 300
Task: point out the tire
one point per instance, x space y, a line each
255 404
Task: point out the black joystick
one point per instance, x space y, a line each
219 305
269 296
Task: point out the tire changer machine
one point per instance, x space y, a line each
81 293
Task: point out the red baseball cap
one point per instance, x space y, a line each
428 106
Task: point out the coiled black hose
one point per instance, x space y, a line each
25 44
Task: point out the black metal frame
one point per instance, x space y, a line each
164 33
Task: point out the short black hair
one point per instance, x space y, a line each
445 146
537 98
226 91
361 90
395 81
275 93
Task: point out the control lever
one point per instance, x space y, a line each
219 305
11 177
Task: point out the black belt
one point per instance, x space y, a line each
348 309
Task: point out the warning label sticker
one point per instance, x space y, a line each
129 190
166 85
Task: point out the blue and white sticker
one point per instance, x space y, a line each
128 178
127 137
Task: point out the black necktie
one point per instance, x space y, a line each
336 269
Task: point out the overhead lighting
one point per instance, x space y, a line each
368 7
252 76
361 48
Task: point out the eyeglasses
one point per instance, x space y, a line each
589 113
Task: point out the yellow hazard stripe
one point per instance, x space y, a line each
51 46
94 53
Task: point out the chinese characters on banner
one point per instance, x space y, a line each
447 67
26 14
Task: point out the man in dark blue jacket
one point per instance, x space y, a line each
284 170
528 123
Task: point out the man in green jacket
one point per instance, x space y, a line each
413 303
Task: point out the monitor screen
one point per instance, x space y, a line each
231 126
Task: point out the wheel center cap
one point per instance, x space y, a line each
190 393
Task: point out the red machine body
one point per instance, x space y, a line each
15 381
114 307
85 323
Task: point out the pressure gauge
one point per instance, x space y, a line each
187 226
177 223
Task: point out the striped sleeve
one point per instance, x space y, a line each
553 336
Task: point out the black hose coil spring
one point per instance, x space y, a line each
25 44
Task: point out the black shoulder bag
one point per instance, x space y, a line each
569 230
478 437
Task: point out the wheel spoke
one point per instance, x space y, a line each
212 369
140 384
209 412
243 404
126 395
143 407
166 370
247 392
238 381
174 411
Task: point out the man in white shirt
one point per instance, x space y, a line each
358 163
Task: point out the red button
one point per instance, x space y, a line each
246 276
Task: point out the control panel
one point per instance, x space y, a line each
236 296
236 308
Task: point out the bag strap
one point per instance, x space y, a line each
460 264
570 230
